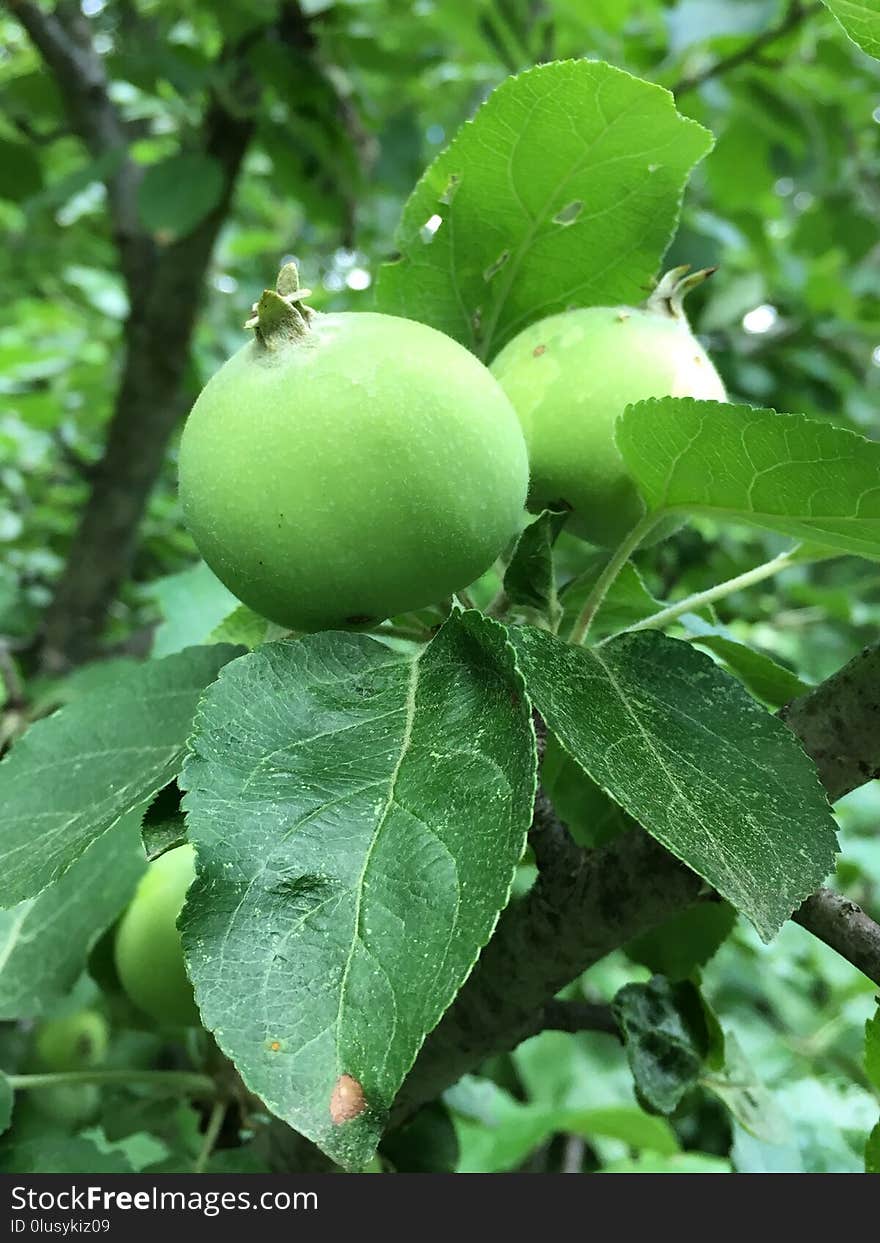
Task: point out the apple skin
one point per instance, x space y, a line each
148 953
71 1042
370 468
570 377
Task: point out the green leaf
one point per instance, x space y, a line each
500 1133
872 1049
872 1151
20 173
6 1099
764 677
751 1104
358 815
164 827
719 781
246 628
680 1163
666 1036
626 602
60 1154
425 1144
72 776
685 941
562 191
861 21
193 603
530 580
590 815
45 941
177 194
782 472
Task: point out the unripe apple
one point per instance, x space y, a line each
149 956
572 375
341 469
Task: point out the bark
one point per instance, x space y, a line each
164 285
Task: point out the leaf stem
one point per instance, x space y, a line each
700 598
185 1082
212 1134
619 558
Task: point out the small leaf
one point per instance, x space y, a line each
45 941
164 827
491 238
764 677
193 604
626 602
746 1097
719 781
177 194
246 628
861 21
666 1036
72 776
685 942
530 581
358 814
783 472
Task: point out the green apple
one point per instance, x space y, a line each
572 375
344 468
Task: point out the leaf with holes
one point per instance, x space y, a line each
73 775
782 472
721 783
358 815
562 191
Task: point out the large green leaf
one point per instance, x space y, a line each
722 783
562 191
358 815
861 21
783 472
5 1103
45 941
872 1049
72 776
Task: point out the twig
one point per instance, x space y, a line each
182 1082
795 15
617 561
578 1016
844 926
212 1134
721 590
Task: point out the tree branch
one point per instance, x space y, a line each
795 15
577 1016
844 926
839 724
63 39
599 900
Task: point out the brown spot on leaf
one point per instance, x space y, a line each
275 1046
539 350
347 1101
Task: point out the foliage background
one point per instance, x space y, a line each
351 109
